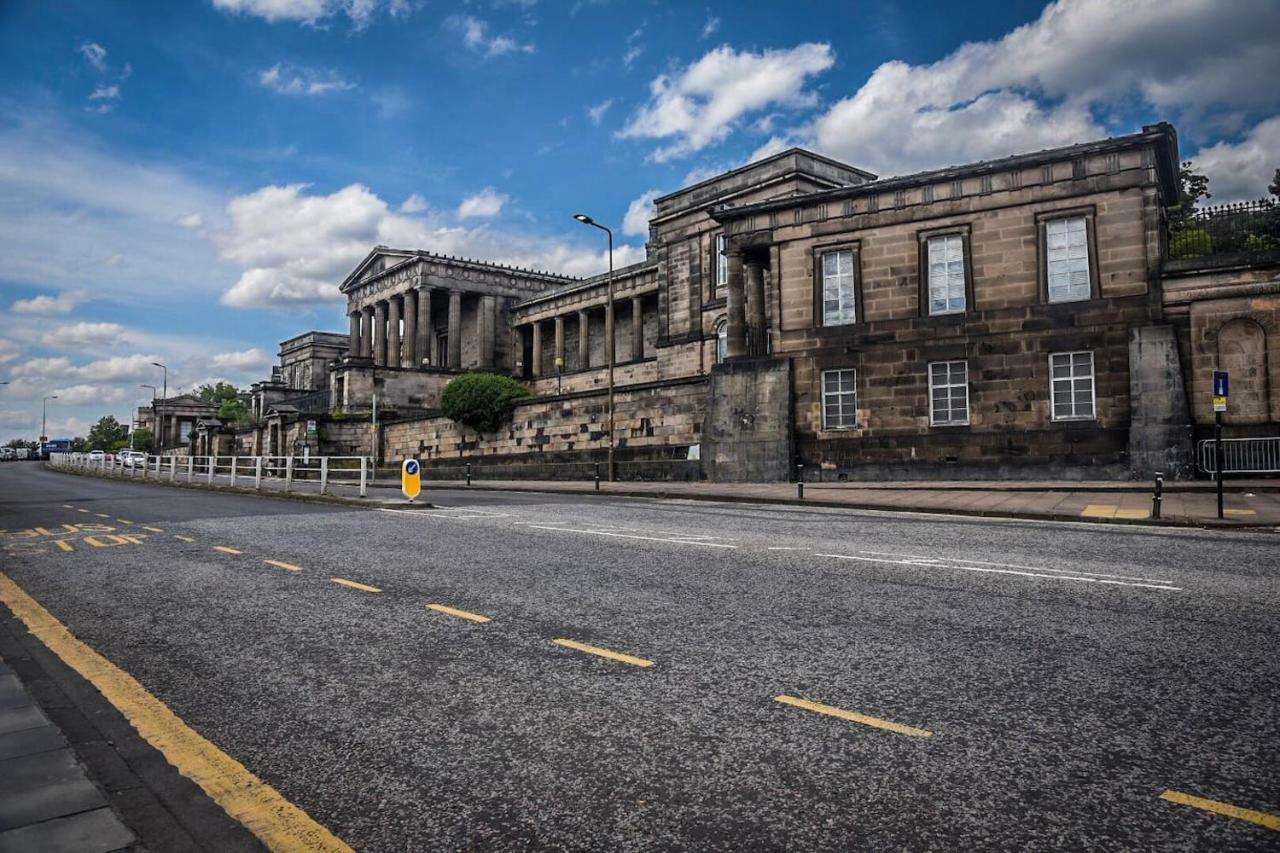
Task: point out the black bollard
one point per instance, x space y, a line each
597 476
800 482
468 473
1157 497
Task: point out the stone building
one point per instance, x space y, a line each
172 420
1020 317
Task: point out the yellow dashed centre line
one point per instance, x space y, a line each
101 515
287 566
183 538
278 823
224 549
152 529
363 587
604 653
832 711
1270 821
461 614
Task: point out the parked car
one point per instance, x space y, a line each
132 458
97 456
8 454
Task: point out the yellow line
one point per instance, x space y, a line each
183 538
355 585
224 549
1099 511
152 529
461 614
101 515
278 823
82 510
1270 821
124 521
604 653
833 711
66 546
290 566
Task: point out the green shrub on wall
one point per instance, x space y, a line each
482 401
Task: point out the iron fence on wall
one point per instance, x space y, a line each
1248 227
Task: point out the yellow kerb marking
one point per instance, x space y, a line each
278 823
66 546
360 586
604 653
832 711
289 566
183 538
1132 513
1240 512
461 614
1099 511
152 529
1270 821
224 549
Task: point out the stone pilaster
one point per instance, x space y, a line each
393 332
380 334
584 340
637 328
409 346
455 329
425 330
537 349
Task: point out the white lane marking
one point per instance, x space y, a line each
785 548
1015 566
631 536
442 517
1033 574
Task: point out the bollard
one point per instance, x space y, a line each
364 478
800 482
1157 497
173 468
597 476
324 475
468 473
234 460
146 463
288 475
257 473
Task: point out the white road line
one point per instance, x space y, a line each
785 548
1015 566
1033 574
631 536
441 517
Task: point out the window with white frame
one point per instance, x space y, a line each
722 341
839 304
1067 259
840 399
1071 385
948 393
946 274
722 263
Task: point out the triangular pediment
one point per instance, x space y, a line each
379 259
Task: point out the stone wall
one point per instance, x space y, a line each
748 428
1160 435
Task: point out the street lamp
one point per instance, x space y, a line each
163 396
44 419
153 415
587 220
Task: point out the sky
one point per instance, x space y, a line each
189 182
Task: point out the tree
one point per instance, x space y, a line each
1192 187
105 434
228 399
141 440
233 410
1274 189
20 442
482 401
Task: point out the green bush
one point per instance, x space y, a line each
482 401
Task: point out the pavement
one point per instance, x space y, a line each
519 670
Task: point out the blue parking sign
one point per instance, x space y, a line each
1220 384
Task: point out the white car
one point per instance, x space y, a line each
97 456
132 458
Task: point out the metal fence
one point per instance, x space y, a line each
1245 228
637 470
236 470
1241 456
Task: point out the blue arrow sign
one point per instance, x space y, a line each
1221 385
411 467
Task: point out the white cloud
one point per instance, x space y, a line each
710 27
57 367
312 11
95 54
701 104
243 361
9 350
632 54
639 212
63 303
413 204
79 395
105 93
191 220
119 368
488 202
286 79
82 334
476 36
1242 170
392 102
596 113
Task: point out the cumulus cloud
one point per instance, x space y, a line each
55 367
702 103
79 395
105 93
9 350
191 220
477 38
596 113
488 202
63 303
639 212
313 11
243 361
94 54
81 335
1242 170
285 79
413 204
119 368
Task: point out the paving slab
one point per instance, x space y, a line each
96 831
44 785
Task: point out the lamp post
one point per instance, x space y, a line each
163 396
44 419
609 343
154 419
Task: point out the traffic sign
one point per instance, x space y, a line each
411 478
1221 386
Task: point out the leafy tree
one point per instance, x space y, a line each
79 445
21 442
233 410
106 433
142 440
482 401
217 392
1274 189
1192 187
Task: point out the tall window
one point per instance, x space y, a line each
946 274
722 340
948 393
839 305
1071 385
1067 259
722 264
840 399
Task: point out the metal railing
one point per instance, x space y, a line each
1246 228
236 470
1240 455
315 402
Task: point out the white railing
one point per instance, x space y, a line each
1241 455
236 470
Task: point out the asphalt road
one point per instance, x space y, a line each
1016 685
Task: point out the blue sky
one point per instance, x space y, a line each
188 182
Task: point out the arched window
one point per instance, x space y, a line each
722 340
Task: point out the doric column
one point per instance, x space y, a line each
393 332
559 356
637 329
735 310
584 340
486 329
755 300
537 349
380 334
425 332
366 332
410 342
455 329
353 336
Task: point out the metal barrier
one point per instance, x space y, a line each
327 470
1240 456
